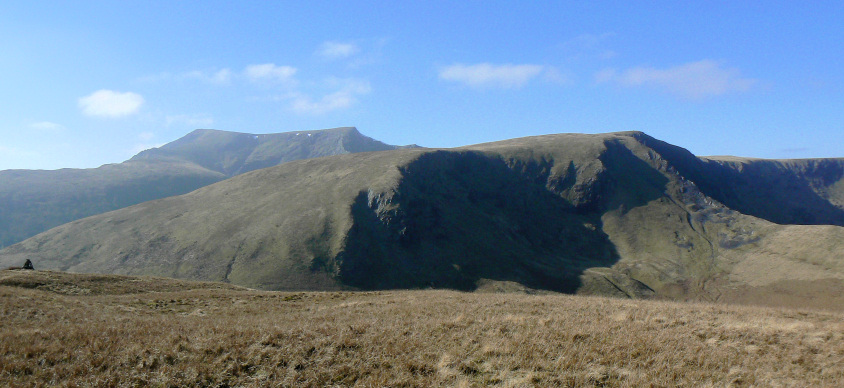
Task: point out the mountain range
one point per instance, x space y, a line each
618 214
32 201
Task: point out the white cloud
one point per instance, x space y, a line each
269 72
46 126
110 104
189 121
337 50
146 136
343 98
490 75
693 80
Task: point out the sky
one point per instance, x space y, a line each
85 83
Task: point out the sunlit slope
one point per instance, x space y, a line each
261 227
32 201
604 214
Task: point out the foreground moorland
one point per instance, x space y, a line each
106 330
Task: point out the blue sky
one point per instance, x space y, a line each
87 83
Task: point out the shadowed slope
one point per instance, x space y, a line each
458 217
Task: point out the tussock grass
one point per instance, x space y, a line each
199 335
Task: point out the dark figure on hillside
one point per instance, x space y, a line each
28 264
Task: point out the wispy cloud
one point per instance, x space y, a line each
337 50
346 94
693 80
222 76
210 76
490 75
279 83
110 104
269 72
46 126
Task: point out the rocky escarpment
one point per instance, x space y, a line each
795 191
458 217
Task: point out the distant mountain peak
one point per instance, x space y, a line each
234 153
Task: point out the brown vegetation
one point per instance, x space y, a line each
53 332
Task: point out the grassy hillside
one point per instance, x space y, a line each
594 214
34 201
405 218
200 334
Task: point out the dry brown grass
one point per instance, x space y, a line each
234 337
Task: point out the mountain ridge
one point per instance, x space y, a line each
233 153
611 214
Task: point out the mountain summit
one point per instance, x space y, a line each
233 153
